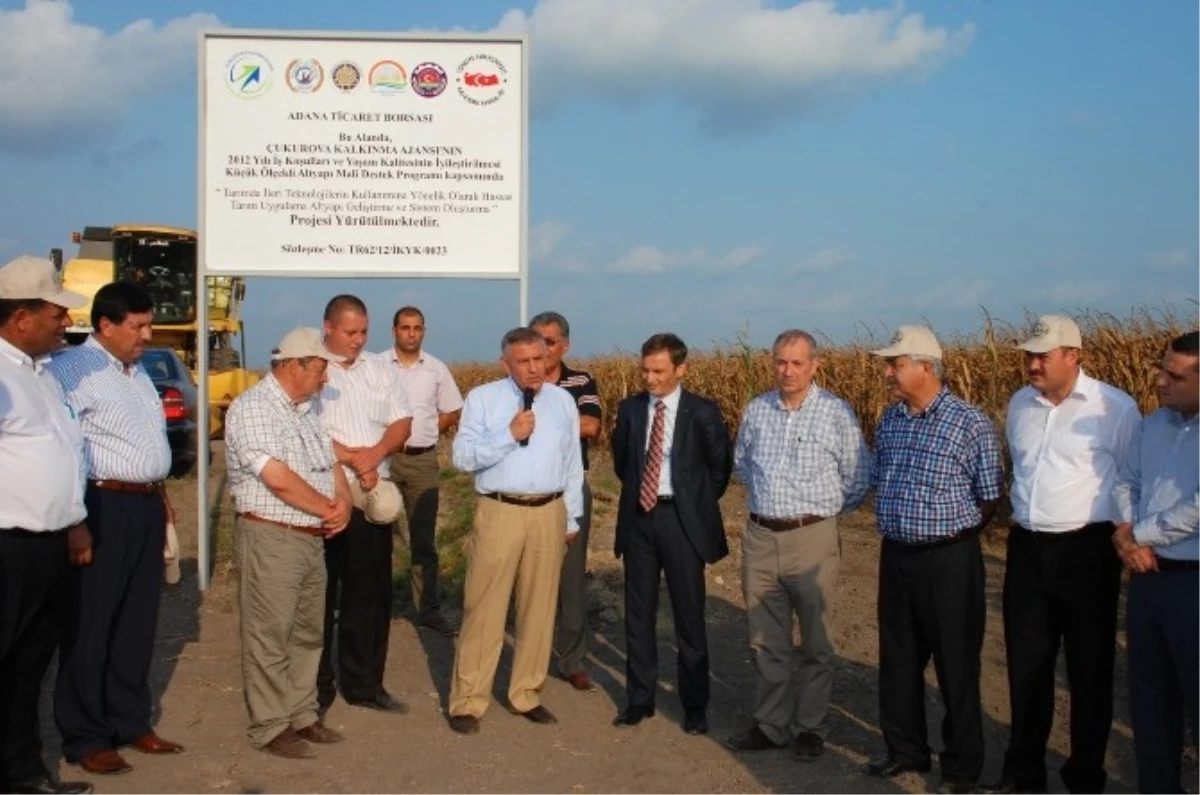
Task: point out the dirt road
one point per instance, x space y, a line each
198 687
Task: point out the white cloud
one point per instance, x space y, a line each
67 86
651 259
544 239
1170 261
953 295
742 256
825 261
736 61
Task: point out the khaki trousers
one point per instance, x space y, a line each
794 571
417 478
281 579
510 544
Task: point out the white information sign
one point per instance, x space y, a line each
362 156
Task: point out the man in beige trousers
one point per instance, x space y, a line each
520 438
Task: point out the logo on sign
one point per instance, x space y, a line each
481 79
305 76
428 79
346 76
249 74
387 77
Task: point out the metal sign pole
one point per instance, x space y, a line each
204 511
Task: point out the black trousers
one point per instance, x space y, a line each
102 698
1061 588
931 604
1163 624
659 544
33 573
570 641
358 611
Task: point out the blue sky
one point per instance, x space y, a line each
703 166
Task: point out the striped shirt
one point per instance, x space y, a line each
809 460
932 468
264 424
360 402
430 391
120 412
484 445
41 448
582 387
1163 474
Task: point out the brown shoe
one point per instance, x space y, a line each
151 743
320 733
105 762
581 681
289 746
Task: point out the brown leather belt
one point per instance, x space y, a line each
129 488
524 500
783 525
312 531
418 450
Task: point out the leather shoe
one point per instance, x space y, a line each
696 723
886 767
104 762
381 702
319 733
538 714
581 681
1007 785
464 724
438 623
632 716
755 739
955 786
151 743
288 745
808 746
45 785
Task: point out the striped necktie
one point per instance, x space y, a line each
654 459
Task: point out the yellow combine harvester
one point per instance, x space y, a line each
162 260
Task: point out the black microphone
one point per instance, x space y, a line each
528 393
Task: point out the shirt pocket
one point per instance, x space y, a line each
806 455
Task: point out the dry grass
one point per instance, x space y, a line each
984 369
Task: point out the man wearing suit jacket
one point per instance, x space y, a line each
671 451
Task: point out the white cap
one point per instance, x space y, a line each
1053 331
303 343
31 278
381 505
912 341
171 573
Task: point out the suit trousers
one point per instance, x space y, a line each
358 611
102 698
658 544
786 573
570 641
417 478
281 585
931 604
511 547
1061 587
33 587
1163 623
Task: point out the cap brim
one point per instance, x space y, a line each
332 357
171 572
1038 345
67 299
889 352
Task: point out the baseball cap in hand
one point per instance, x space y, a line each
1053 331
34 278
381 505
912 341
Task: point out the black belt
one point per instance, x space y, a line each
418 450
524 500
941 541
20 532
1170 564
783 525
1095 528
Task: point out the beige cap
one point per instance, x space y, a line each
1053 331
912 341
381 505
30 278
171 572
303 343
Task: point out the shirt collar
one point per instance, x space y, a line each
112 361
395 357
1086 388
671 401
276 390
813 389
932 408
19 357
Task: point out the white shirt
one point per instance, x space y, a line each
1066 457
430 390
360 402
670 411
41 448
120 412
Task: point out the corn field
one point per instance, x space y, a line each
984 369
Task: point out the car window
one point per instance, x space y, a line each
158 365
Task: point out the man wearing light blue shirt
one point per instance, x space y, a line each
1162 549
519 436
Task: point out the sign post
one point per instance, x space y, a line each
329 154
